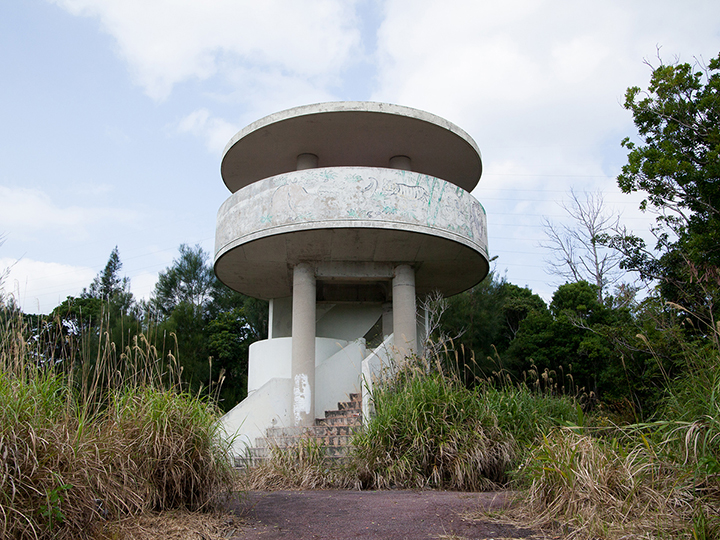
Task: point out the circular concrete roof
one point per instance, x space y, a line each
440 264
351 133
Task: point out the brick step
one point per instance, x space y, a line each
258 454
285 442
350 406
314 431
348 413
333 432
340 421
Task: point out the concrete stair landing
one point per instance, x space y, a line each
333 433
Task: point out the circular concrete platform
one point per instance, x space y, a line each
344 134
350 214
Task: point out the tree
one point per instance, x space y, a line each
486 319
573 335
106 307
212 324
576 254
189 280
112 290
108 283
677 165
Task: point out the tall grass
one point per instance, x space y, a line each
652 480
84 441
302 466
527 414
429 430
596 488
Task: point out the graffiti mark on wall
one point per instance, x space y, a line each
356 193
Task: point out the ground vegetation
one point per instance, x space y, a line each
84 447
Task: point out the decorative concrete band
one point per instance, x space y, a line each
374 202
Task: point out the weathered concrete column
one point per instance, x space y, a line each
404 323
307 161
303 345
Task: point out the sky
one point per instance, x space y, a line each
114 113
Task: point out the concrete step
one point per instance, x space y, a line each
339 421
334 432
285 442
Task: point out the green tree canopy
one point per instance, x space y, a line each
188 280
676 164
212 325
485 319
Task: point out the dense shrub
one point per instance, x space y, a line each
429 430
76 452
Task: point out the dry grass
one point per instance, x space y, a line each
304 466
82 446
174 442
172 525
585 487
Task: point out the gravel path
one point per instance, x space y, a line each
386 515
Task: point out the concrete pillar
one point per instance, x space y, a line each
404 319
271 312
387 319
303 345
307 161
400 162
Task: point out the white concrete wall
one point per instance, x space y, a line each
351 197
281 320
348 321
339 376
267 407
378 364
335 321
271 358
338 369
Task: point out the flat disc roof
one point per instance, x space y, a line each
263 268
351 133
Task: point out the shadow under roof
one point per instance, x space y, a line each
351 133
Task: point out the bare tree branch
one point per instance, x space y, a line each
575 253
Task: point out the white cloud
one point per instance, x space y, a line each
27 210
527 70
39 287
143 284
261 93
166 42
215 131
539 85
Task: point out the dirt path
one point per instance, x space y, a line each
386 515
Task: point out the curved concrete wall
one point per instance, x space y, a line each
271 358
350 214
351 134
351 197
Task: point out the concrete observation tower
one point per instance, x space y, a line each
343 215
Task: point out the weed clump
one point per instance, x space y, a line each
301 466
429 430
77 451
